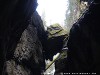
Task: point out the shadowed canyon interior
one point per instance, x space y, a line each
32 32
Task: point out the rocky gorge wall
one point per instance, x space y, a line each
20 45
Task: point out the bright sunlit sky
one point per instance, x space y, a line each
54 10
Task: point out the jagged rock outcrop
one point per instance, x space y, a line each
27 55
20 45
41 33
56 35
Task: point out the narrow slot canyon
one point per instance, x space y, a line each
49 37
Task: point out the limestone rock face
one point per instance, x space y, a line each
27 58
27 55
20 42
15 69
14 19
